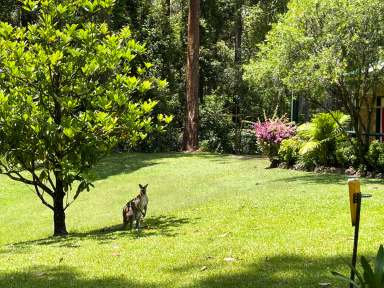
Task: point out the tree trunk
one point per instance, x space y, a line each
58 212
190 137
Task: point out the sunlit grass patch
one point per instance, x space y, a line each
213 221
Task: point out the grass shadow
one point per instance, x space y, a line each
290 271
314 178
124 162
278 271
324 178
162 225
62 277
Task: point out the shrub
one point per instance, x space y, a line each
159 141
289 151
270 133
248 143
321 136
345 154
372 276
308 160
218 132
215 125
375 156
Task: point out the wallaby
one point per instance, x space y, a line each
136 209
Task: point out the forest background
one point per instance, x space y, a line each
229 34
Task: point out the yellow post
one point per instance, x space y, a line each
354 187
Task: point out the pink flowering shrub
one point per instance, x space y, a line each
271 132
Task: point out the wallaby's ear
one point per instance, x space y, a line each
146 186
140 186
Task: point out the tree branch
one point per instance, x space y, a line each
51 182
42 198
37 181
19 178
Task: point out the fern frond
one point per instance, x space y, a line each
309 147
306 130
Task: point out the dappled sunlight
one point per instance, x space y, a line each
213 221
165 226
275 271
63 276
125 163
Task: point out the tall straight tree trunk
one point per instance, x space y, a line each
190 137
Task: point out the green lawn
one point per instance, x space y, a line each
213 221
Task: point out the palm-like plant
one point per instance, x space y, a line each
371 278
321 135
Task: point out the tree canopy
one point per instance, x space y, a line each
326 49
70 90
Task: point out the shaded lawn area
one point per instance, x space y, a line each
213 221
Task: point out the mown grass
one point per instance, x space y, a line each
213 221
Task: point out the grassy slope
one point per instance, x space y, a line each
282 228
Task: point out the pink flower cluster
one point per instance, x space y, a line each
274 130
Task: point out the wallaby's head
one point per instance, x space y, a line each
143 189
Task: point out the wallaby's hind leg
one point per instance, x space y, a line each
131 224
137 226
126 223
127 220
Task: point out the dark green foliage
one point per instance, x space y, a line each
70 90
248 142
372 277
346 154
218 133
161 24
289 150
321 135
8 10
326 50
308 161
163 32
321 142
215 125
376 156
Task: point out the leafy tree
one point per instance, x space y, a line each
161 25
229 30
70 90
327 48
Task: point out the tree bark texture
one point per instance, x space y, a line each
60 228
190 137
